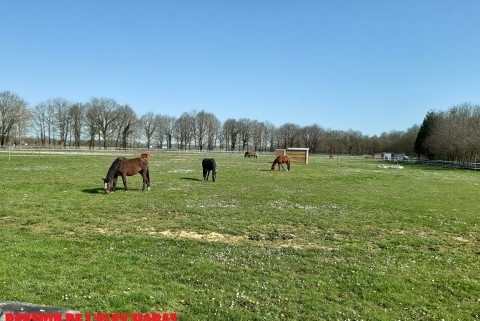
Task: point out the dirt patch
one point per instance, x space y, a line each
102 230
462 239
211 237
235 239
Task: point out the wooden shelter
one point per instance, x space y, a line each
298 155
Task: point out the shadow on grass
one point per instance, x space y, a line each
93 190
100 190
191 179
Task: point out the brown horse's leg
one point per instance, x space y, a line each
148 179
144 177
124 180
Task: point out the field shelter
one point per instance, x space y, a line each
298 155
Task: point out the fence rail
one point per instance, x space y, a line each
52 151
450 164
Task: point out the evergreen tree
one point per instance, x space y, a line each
425 131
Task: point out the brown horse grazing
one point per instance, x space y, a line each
126 167
280 160
251 154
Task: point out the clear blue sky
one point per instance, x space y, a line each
372 66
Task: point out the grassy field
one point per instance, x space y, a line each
332 240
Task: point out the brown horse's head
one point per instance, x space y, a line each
107 185
273 165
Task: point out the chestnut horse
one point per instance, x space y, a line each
280 160
126 167
251 154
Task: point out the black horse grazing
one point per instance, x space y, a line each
209 164
280 160
251 154
126 167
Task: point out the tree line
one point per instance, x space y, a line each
104 123
452 135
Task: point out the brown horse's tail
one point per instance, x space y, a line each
288 165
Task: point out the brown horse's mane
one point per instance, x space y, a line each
114 167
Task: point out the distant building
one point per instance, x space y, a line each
394 156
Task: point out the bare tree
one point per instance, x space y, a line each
206 127
61 117
164 130
125 124
257 134
40 119
103 112
148 124
159 134
310 137
268 135
245 130
90 117
13 111
213 129
201 126
77 117
288 134
51 124
399 141
184 130
230 131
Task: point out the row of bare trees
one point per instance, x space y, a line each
104 123
452 135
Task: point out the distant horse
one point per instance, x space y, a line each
251 154
126 167
280 160
209 164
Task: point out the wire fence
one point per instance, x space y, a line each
450 164
9 151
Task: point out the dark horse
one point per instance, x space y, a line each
126 167
209 164
251 154
280 160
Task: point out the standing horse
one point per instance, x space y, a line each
280 160
209 164
251 154
126 167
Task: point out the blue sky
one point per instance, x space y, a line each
372 66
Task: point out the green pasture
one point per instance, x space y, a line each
337 239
